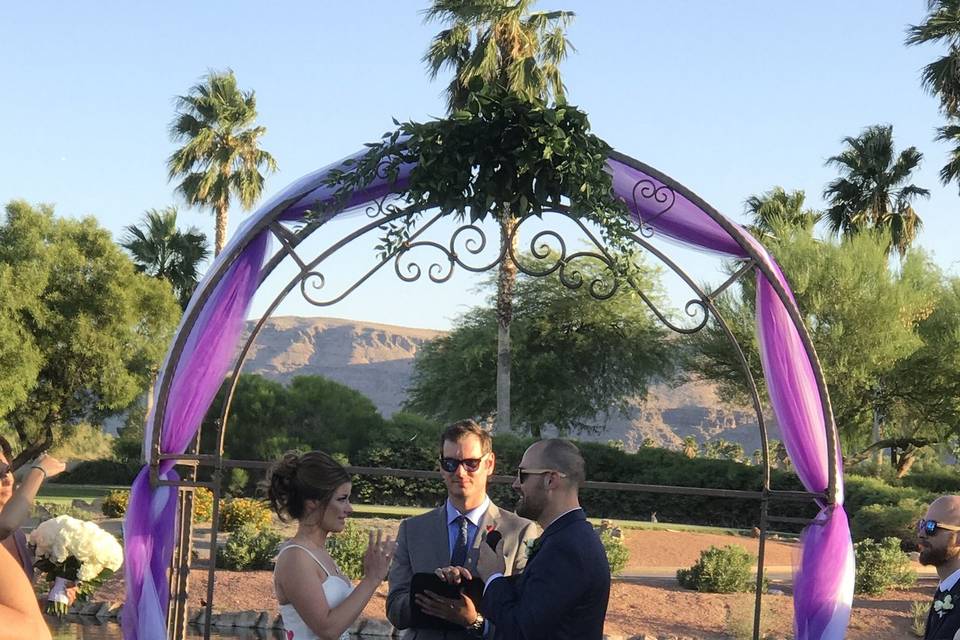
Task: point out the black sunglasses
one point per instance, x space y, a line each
4 469
470 464
929 527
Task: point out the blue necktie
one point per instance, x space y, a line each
459 556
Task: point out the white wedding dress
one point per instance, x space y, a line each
335 589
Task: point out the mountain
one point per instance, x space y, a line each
377 360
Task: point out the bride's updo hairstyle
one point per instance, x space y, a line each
298 477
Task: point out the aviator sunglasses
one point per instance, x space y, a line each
470 464
930 527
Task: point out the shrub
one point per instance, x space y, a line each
237 482
81 441
726 569
881 566
618 555
878 521
115 503
202 505
236 512
919 612
47 510
249 548
347 549
101 472
937 479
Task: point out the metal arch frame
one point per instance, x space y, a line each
383 212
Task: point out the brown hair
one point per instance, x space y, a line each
298 477
462 428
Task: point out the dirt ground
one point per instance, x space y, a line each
651 605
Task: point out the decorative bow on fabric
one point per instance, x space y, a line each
943 606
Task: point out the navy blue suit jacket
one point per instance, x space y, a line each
563 592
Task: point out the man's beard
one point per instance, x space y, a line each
936 556
530 507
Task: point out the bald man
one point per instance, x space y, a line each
563 592
939 541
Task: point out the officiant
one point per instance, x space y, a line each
453 533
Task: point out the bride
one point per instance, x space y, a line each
316 600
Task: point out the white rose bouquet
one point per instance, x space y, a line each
68 549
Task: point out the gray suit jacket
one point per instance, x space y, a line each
423 545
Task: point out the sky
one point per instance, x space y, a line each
729 98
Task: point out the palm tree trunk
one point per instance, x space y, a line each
221 237
505 282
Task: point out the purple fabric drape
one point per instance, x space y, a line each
824 576
821 597
209 350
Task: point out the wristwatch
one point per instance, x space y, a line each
477 625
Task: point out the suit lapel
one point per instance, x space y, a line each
439 541
490 520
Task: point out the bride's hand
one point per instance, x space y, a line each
376 561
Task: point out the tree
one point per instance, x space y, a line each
521 52
872 192
268 418
221 158
863 318
942 76
776 208
81 328
162 251
577 358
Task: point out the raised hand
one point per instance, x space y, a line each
50 465
376 560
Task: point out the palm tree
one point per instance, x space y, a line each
161 250
505 44
502 42
942 76
776 208
220 159
872 192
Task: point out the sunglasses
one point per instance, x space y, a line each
470 464
522 474
929 527
4 469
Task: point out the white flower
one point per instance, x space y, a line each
943 606
63 537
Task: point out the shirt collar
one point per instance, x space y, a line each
474 515
560 516
950 581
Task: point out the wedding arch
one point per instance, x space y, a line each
204 353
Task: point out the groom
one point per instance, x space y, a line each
939 541
562 594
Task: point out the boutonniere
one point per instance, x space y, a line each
533 546
943 606
491 527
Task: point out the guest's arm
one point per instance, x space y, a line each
19 612
17 509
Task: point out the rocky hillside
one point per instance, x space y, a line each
377 360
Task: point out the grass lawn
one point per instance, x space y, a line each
67 493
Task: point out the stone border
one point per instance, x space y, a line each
363 627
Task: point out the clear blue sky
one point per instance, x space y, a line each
729 98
